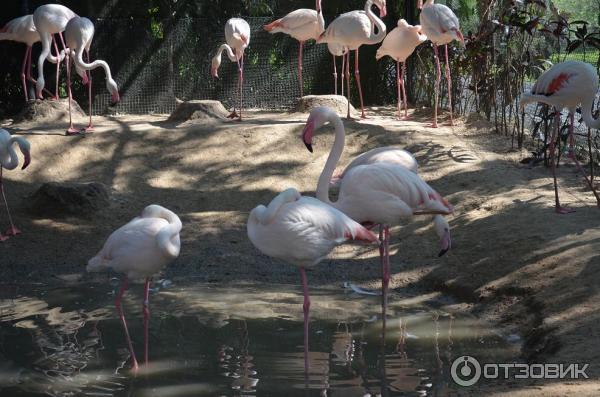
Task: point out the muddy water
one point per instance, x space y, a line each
245 340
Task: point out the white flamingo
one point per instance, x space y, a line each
79 33
567 85
380 193
337 50
49 19
399 44
140 249
237 36
301 231
441 26
352 30
302 24
10 161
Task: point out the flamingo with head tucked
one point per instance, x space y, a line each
237 36
567 85
399 44
441 26
79 33
10 161
380 193
140 249
302 231
352 30
302 24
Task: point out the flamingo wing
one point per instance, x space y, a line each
349 29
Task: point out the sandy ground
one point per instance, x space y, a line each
514 261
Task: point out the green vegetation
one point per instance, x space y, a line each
584 10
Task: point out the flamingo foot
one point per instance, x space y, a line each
3 237
135 367
89 129
563 210
433 125
234 115
72 131
13 231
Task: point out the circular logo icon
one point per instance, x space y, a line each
465 371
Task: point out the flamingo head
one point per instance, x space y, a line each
420 4
112 87
457 34
382 7
442 229
317 118
25 148
418 30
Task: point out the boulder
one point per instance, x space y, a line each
198 109
55 198
336 102
49 111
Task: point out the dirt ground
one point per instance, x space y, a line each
513 261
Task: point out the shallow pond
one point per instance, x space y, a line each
243 340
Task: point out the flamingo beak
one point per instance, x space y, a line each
461 38
115 98
307 134
213 72
27 160
446 243
383 12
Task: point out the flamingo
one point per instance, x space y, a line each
337 50
10 161
302 24
237 36
301 231
441 26
22 30
566 85
140 249
79 33
50 19
352 30
399 44
379 193
404 158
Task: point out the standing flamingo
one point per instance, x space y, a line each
441 26
399 44
379 193
140 249
302 231
237 36
337 50
49 19
352 30
79 33
566 85
302 24
10 161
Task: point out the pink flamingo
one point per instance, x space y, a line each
401 157
79 33
302 24
337 50
23 30
352 30
378 193
237 36
302 231
50 19
140 249
399 44
441 26
10 161
566 85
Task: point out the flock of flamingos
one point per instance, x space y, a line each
378 188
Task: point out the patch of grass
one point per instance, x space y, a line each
590 55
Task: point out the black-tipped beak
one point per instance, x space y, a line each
308 146
442 252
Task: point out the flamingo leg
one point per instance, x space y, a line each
449 80
335 75
146 310
558 208
405 98
46 40
343 71
23 73
306 308
357 77
348 83
122 290
398 83
56 96
13 231
573 157
234 114
90 127
71 130
300 68
385 270
241 84
437 85
31 79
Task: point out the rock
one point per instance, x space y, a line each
49 111
336 102
198 109
55 198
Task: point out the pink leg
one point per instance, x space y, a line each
449 80
348 83
343 71
573 157
90 127
23 73
122 317
306 308
335 75
13 231
234 114
71 130
241 84
300 69
146 318
558 208
31 79
405 98
56 96
357 77
398 84
386 269
437 85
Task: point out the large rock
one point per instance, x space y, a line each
55 198
49 111
198 109
336 102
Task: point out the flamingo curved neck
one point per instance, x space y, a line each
12 154
332 159
90 66
375 21
168 237
586 112
230 53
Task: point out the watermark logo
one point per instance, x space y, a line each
466 371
